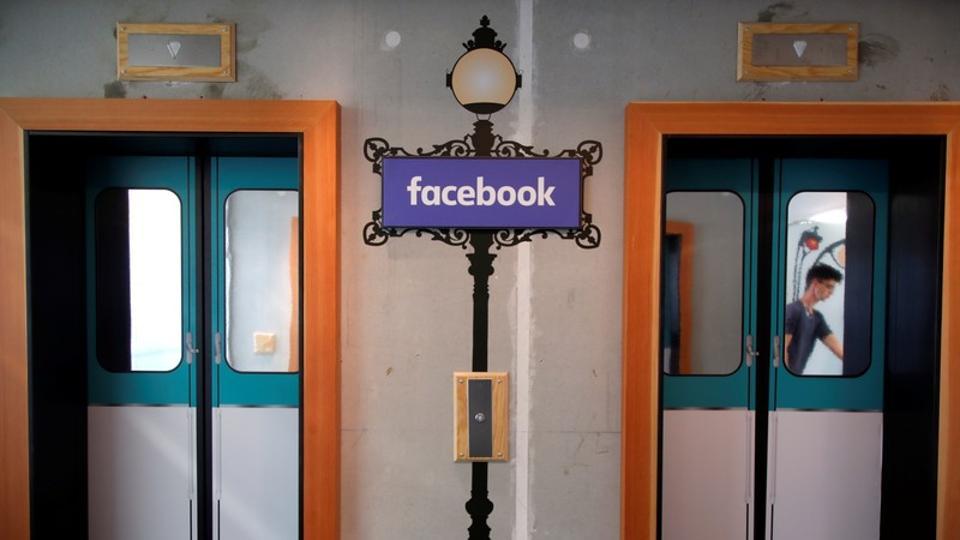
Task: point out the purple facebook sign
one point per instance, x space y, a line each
481 193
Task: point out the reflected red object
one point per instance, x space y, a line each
812 243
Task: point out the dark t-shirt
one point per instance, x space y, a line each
805 331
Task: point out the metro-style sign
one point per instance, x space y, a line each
482 193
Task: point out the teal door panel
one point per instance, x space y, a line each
735 177
233 387
176 385
836 392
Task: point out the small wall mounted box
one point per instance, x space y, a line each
176 52
481 420
797 51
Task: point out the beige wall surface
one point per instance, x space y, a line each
406 307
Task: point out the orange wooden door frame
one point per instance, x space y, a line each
318 125
646 126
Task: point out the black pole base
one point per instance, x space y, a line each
479 506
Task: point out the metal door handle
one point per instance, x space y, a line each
776 351
189 348
750 351
217 348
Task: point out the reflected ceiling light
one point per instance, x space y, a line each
837 215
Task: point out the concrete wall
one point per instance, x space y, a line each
555 309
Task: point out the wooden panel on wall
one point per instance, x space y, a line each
318 123
812 53
224 71
499 416
646 125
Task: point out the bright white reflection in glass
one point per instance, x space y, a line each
138 279
155 312
829 259
702 283
262 278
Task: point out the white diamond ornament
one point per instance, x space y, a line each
173 48
799 47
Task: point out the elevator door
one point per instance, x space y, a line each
193 367
707 331
738 249
256 328
825 418
141 354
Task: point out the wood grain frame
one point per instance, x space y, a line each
746 71
500 417
646 126
318 125
684 229
225 72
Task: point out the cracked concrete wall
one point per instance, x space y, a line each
555 309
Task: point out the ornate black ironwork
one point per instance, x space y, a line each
479 144
484 37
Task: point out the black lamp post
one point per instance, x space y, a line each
483 81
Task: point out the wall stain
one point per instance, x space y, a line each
250 26
881 86
148 13
757 92
778 10
246 45
389 370
114 89
259 86
942 93
877 48
214 91
256 85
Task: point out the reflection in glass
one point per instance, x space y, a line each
702 283
262 278
138 279
829 262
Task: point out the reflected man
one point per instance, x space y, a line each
804 325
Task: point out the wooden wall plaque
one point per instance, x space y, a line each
481 419
176 52
797 52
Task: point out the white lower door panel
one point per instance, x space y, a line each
707 473
826 482
140 472
257 472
